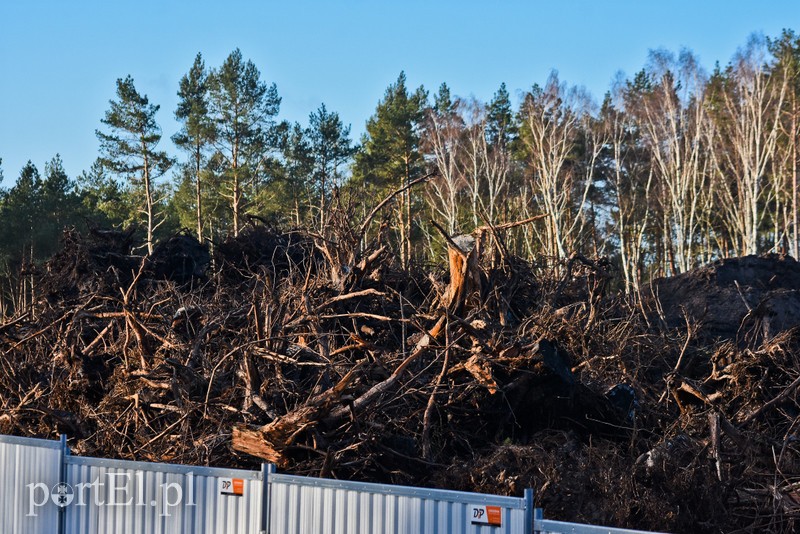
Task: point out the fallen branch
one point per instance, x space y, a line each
768 405
270 441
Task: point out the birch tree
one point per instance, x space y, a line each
667 105
489 132
630 179
747 124
442 142
500 131
786 50
554 120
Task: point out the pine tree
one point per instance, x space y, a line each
60 206
298 165
501 128
21 210
130 147
197 129
243 108
19 221
104 199
330 147
391 156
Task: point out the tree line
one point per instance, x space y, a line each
675 167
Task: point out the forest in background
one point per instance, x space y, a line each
674 168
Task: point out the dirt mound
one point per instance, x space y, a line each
88 264
259 248
103 260
181 259
748 299
321 354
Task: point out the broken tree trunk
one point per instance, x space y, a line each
271 440
463 254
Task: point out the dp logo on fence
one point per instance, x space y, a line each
486 515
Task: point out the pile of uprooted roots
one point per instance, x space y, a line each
675 409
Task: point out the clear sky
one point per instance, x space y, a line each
59 59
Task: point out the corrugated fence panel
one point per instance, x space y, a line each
29 469
301 505
546 526
122 497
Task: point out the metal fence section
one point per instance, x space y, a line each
127 497
547 526
302 505
29 470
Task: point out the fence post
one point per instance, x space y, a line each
528 510
538 515
266 471
62 479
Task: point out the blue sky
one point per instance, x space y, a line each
59 59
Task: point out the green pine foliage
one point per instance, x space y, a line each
390 154
129 148
195 138
33 214
243 110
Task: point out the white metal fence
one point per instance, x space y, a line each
146 498
45 490
301 505
29 469
548 526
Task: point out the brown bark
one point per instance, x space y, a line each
271 441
